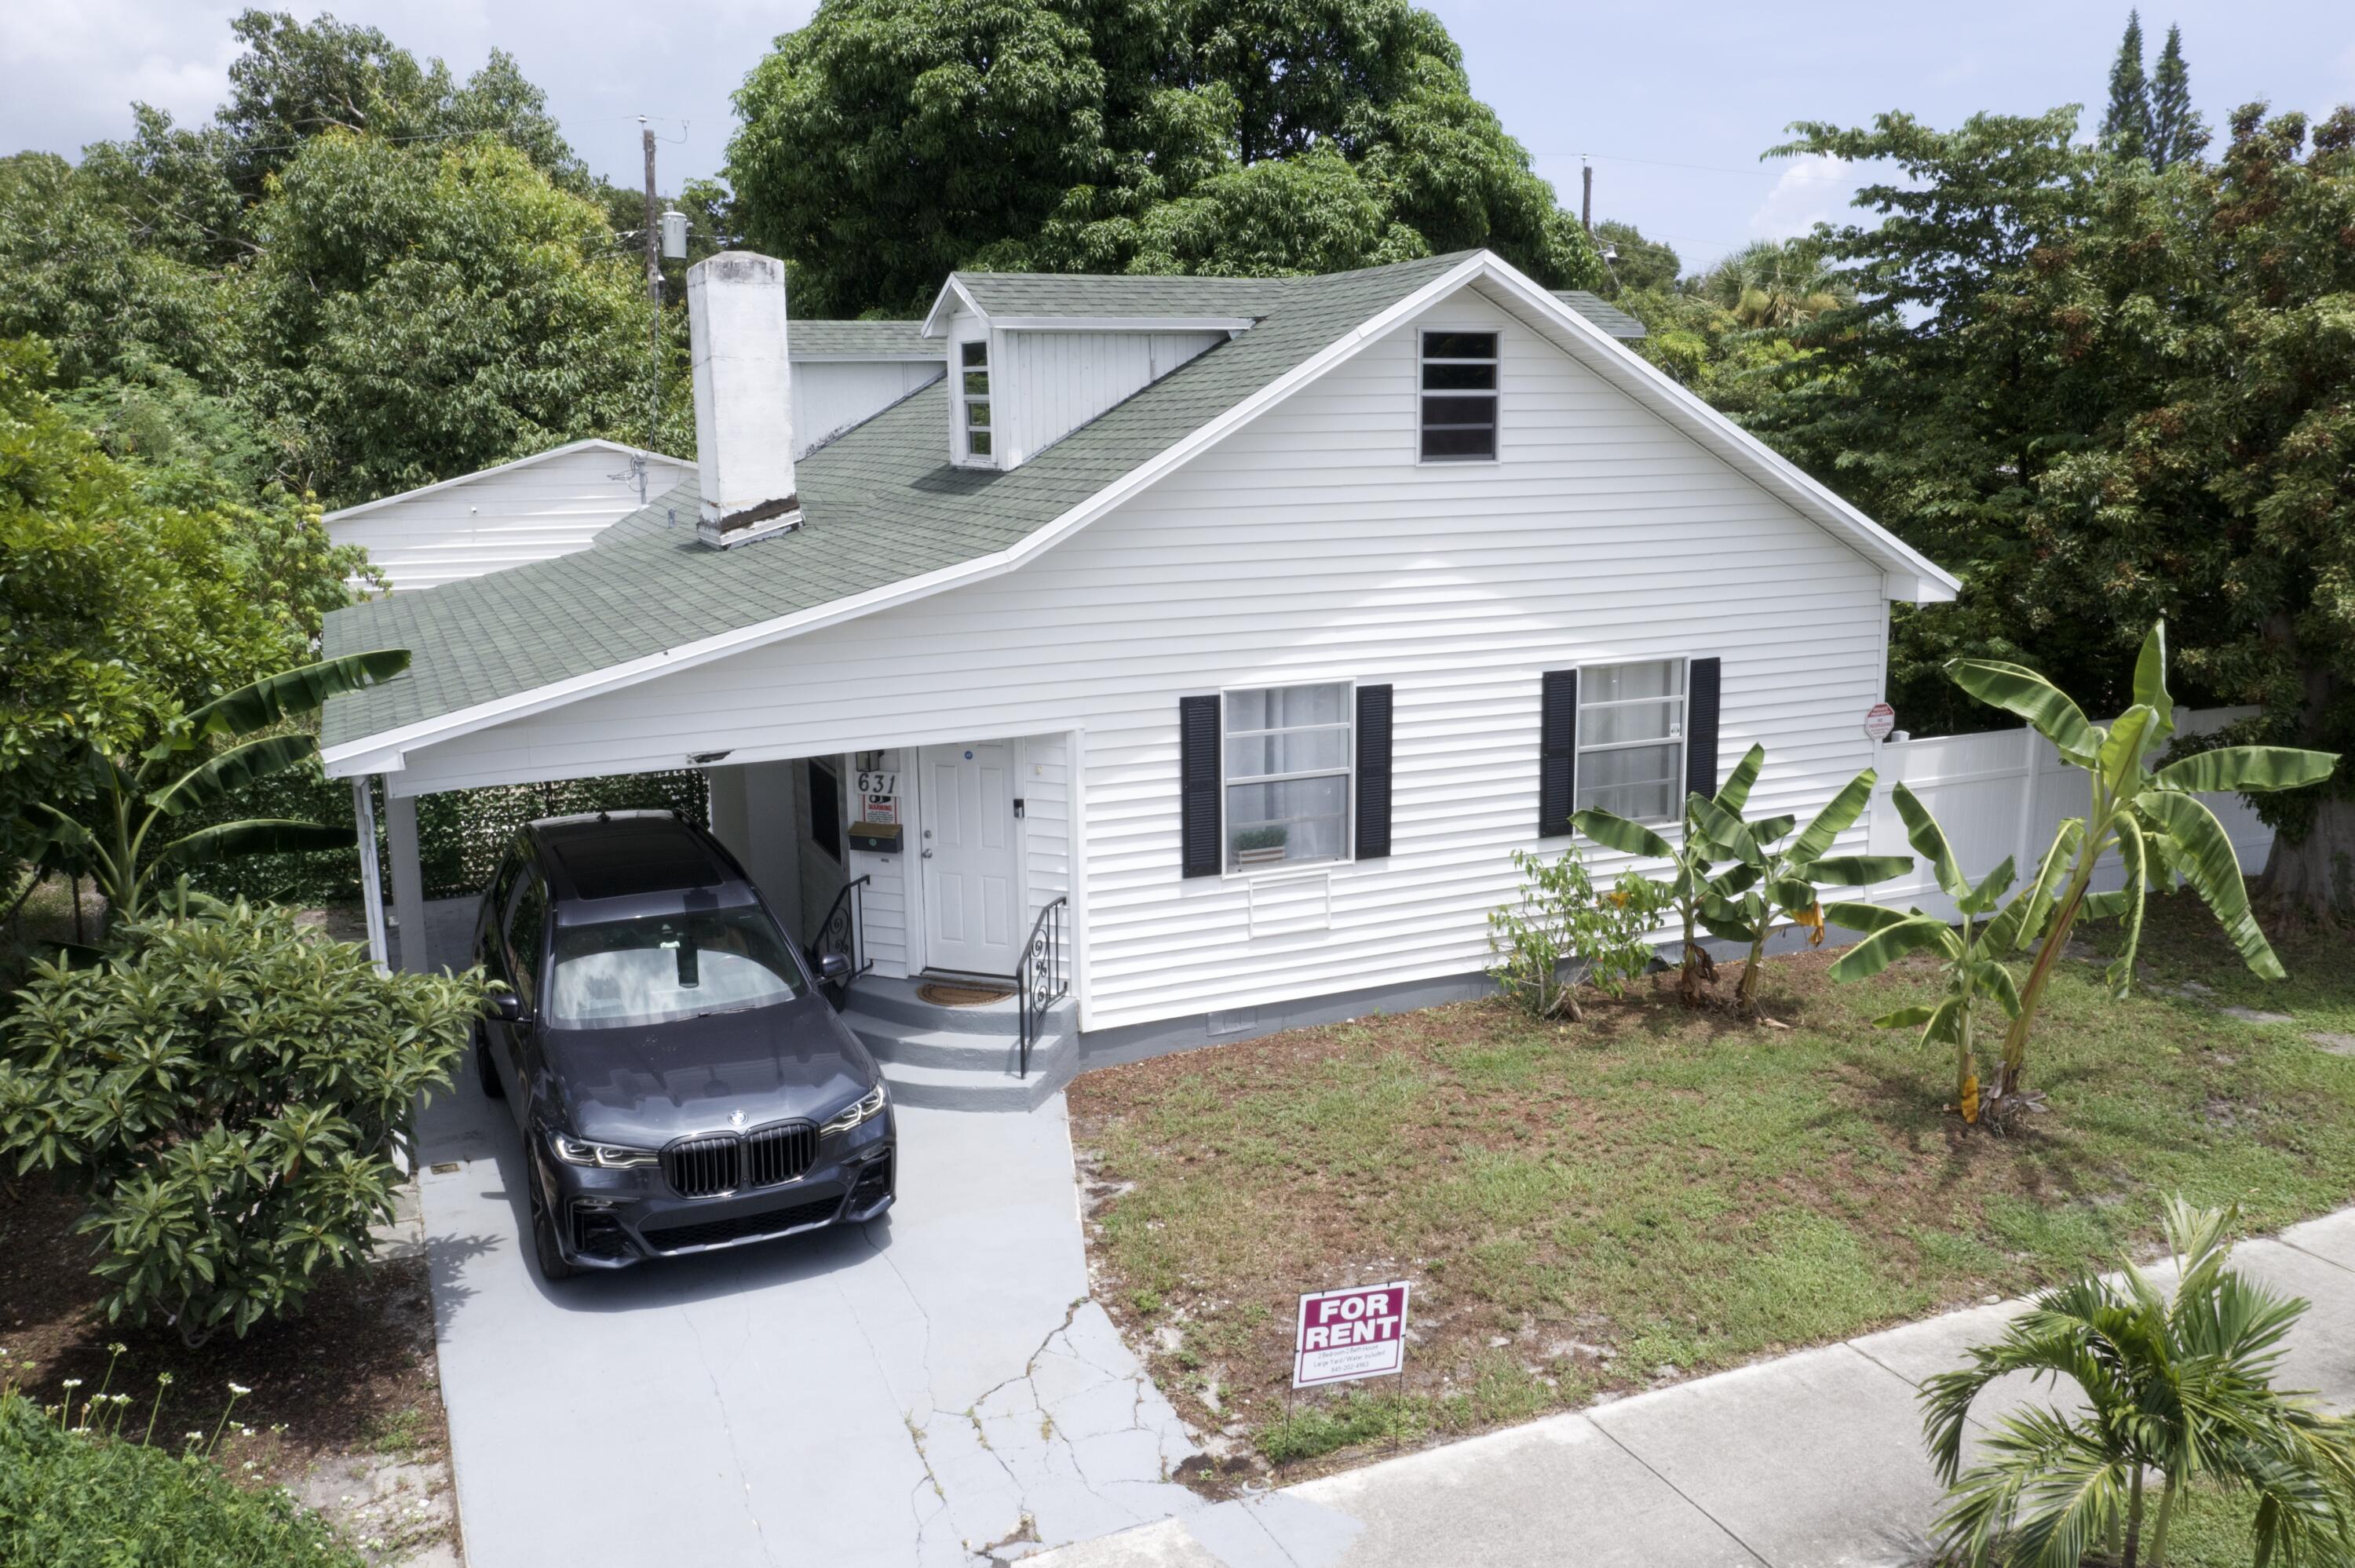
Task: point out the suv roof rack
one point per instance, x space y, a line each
662 812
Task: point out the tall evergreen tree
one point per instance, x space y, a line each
2125 128
2177 133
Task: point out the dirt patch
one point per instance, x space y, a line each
346 1408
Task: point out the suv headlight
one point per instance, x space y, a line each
865 1110
604 1156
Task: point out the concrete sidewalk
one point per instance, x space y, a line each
1811 1459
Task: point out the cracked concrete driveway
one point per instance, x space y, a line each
921 1390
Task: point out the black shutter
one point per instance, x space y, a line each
1373 772
1700 728
1557 753
1198 783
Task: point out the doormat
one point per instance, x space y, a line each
945 994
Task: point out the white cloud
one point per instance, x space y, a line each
1812 190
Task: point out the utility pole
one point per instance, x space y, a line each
653 310
1586 178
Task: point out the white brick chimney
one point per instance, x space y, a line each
743 397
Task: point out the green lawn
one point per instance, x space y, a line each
1658 1192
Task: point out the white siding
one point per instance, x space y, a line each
830 396
1310 546
1045 822
1049 384
501 518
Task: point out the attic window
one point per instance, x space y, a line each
972 397
1459 397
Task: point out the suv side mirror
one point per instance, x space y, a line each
507 1007
834 968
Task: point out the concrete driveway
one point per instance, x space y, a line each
915 1391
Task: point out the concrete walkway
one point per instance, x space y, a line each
910 1391
1811 1459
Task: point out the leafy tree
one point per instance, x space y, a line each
1560 920
179 776
2105 394
2178 1385
1632 261
226 1091
418 312
1776 285
2178 133
2125 124
891 141
117 609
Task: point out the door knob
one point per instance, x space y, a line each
928 854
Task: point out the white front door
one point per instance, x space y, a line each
971 854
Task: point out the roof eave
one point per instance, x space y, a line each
364 507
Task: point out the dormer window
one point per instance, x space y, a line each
1459 397
972 397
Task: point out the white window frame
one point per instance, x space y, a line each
1229 871
962 401
1681 738
1423 357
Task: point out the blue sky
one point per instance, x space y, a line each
1674 104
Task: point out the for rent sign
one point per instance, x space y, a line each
1352 1333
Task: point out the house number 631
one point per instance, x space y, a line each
879 783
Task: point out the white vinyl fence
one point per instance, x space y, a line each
2007 793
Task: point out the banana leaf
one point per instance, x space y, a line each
2022 920
1906 1017
301 690
1889 943
1857 869
1990 890
2018 690
258 835
1614 831
1868 917
2137 892
2205 858
2150 680
1836 817
1773 828
231 771
2248 769
2120 758
1721 831
1923 832
1734 794
1997 983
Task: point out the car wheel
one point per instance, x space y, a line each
543 1231
486 1071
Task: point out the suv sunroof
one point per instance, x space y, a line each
612 865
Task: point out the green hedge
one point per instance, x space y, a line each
82 1500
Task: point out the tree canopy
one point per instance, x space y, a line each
889 141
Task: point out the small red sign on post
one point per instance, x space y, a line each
1878 721
1356 1332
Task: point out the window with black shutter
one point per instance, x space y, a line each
1373 813
1700 726
1557 752
1197 785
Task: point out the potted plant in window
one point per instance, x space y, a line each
1260 845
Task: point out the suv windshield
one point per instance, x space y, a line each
623 973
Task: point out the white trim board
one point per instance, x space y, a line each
1903 568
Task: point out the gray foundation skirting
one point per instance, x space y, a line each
1141 1041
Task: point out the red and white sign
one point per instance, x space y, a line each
1878 721
1352 1333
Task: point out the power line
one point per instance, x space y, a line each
1662 163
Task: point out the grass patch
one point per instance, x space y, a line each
1659 1193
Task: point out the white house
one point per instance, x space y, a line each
1201 647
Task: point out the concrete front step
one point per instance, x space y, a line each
933 1058
895 1001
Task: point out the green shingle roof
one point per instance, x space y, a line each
1021 295
883 505
861 337
1601 312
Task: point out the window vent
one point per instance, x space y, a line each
1459 397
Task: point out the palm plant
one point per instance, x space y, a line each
1693 856
1780 878
1973 952
138 799
2140 813
2177 1387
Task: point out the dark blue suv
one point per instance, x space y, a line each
681 1081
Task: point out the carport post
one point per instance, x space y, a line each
371 884
408 878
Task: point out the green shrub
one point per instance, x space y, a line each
87 1497
1559 918
226 1091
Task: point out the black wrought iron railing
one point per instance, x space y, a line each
843 929
1041 979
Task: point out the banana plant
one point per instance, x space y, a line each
1781 877
1973 954
1692 886
2143 815
138 800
